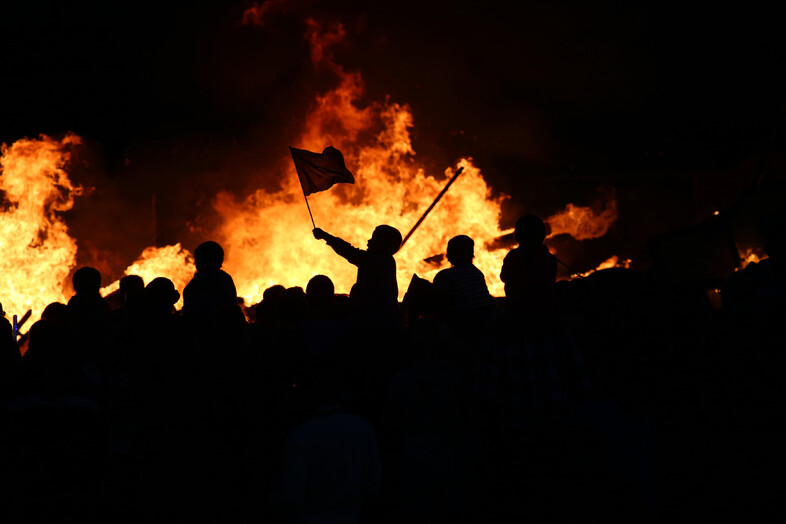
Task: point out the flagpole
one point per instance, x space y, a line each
434 203
302 187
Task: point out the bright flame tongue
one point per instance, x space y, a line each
582 223
36 253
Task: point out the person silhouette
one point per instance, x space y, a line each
462 287
87 305
375 293
530 270
211 288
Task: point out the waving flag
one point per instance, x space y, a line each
319 171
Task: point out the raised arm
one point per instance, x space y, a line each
342 248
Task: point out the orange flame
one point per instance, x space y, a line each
582 223
267 236
36 252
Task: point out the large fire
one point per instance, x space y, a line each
267 235
36 252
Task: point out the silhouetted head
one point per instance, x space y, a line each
160 295
45 346
385 240
461 250
208 256
273 292
56 311
530 230
292 304
131 285
320 291
86 281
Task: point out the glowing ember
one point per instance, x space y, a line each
36 253
172 262
582 223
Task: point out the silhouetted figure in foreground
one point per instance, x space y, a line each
88 310
426 411
88 318
375 293
211 288
322 330
331 463
87 303
529 271
131 290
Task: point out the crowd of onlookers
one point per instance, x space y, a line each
623 396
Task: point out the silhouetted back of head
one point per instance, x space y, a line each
292 304
56 311
530 230
160 295
273 292
461 250
386 240
86 281
131 285
208 256
320 291
45 347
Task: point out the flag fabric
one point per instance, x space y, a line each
319 171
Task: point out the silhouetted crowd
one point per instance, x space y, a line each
624 396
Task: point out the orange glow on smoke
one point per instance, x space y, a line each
583 223
36 252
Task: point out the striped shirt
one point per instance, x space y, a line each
463 288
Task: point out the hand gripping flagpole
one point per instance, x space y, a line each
302 187
434 203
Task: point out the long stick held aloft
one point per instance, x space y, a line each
434 203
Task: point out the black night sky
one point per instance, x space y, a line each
675 106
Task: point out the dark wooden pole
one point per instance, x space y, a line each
434 203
